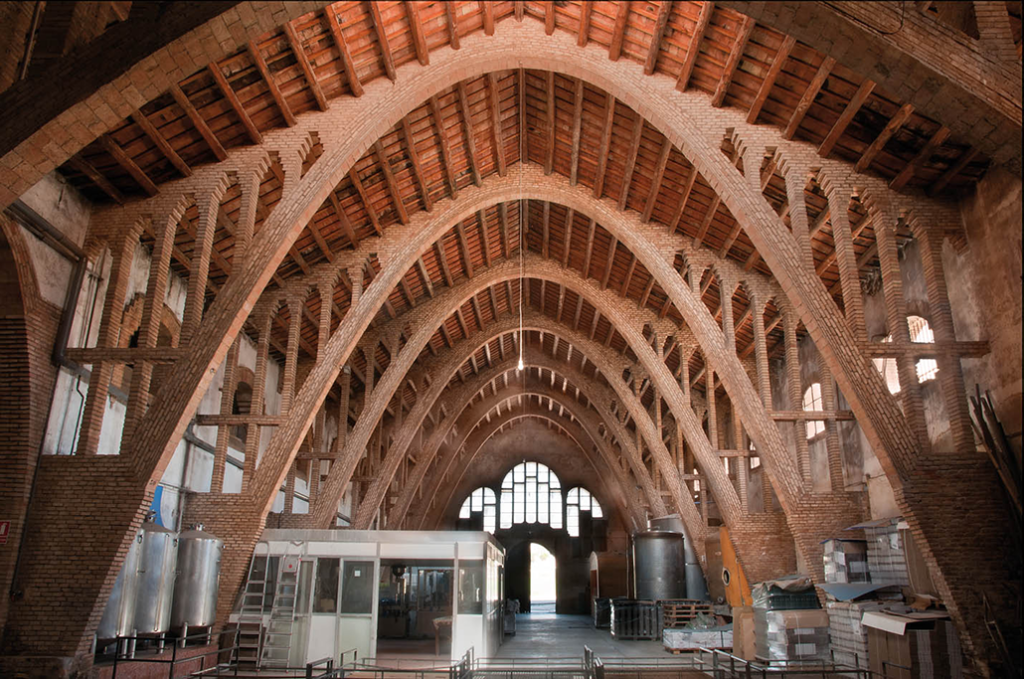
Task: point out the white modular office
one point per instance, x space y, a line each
382 594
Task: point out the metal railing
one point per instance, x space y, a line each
125 653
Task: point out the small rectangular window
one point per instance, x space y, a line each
471 587
325 595
357 587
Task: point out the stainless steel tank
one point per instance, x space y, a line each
659 565
119 616
195 589
158 557
696 585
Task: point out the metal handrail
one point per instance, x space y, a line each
174 660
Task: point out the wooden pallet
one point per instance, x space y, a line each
678 612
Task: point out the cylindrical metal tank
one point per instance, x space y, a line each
119 616
659 565
195 589
157 561
696 585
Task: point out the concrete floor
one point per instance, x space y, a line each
563 636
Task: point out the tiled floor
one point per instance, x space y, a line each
562 636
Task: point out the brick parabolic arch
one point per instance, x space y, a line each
351 127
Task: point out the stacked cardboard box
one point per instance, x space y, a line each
791 634
849 639
691 639
886 560
846 561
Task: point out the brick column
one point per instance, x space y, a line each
764 385
122 251
209 207
343 404
796 396
832 446
227 398
849 276
950 375
152 310
264 321
796 180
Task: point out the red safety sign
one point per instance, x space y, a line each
5 530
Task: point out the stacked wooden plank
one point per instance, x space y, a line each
680 612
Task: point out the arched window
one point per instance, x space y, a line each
921 333
531 493
812 402
482 500
580 500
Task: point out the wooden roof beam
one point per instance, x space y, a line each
414 160
545 231
461 320
125 161
549 161
894 124
236 104
590 249
506 247
467 259
357 184
198 122
684 198
583 34
307 69
954 169
693 50
496 130
474 163
346 57
549 18
664 11
161 143
413 19
382 37
659 175
926 152
570 219
271 83
709 217
477 313
619 31
735 54
442 260
606 137
634 149
769 79
453 25
494 306
487 7
809 95
608 263
577 126
485 243
393 189
346 225
446 153
427 283
624 290
846 117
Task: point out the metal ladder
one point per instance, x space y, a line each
277 637
250 617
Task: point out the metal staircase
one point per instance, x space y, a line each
277 636
250 617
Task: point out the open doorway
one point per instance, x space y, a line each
543 578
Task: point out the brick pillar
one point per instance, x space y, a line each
846 258
994 28
796 397
832 446
152 310
884 222
209 207
227 398
709 380
291 359
122 250
343 405
950 375
796 180
742 462
264 321
764 386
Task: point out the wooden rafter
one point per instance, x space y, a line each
684 198
474 163
295 42
161 143
236 105
968 156
549 161
577 124
414 160
606 138
487 7
846 117
808 97
446 154
619 31
346 57
271 83
583 34
709 217
693 50
85 167
420 42
125 161
735 54
393 189
453 25
382 38
357 184
495 111
549 18
198 122
664 11
467 258
769 79
634 149
894 124
659 175
926 152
